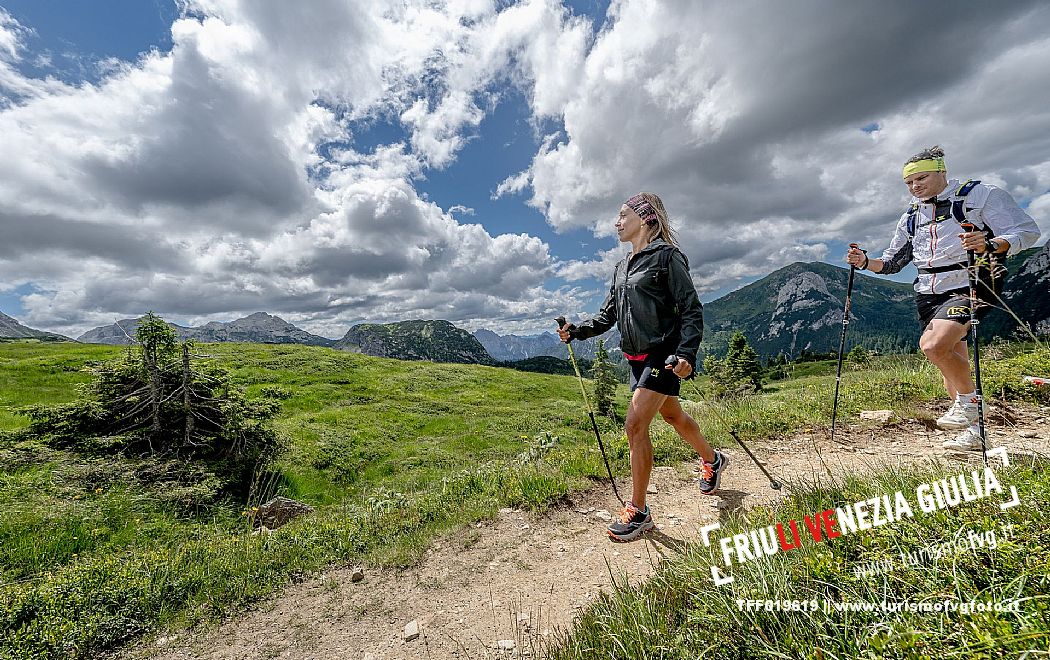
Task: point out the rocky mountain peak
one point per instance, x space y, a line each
803 291
1038 265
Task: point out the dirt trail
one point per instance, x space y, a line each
498 590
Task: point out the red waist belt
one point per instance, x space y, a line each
636 358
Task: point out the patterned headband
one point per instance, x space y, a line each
643 208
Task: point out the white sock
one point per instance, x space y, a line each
965 398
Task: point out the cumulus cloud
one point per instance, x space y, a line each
194 182
750 129
223 177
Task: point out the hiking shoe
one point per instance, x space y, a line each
633 523
711 473
959 416
968 440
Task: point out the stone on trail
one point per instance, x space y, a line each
279 511
603 515
652 490
1028 434
412 630
357 574
882 416
506 645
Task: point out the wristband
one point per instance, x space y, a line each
864 266
992 246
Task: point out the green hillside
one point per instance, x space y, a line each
97 550
800 307
439 341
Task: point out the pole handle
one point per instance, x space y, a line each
561 324
856 246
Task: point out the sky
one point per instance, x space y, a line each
342 161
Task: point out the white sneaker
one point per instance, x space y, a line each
959 416
965 441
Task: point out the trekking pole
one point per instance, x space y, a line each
773 483
572 358
842 344
971 273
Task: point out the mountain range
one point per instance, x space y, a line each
259 327
796 308
12 329
439 341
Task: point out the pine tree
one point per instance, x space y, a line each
604 380
739 372
858 357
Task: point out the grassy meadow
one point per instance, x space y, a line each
391 454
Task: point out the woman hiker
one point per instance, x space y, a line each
654 304
929 233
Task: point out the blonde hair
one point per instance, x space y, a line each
662 228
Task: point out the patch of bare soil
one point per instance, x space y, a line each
498 590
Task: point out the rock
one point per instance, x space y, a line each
652 490
603 515
357 574
1028 434
881 416
262 531
412 630
279 511
506 510
369 656
506 645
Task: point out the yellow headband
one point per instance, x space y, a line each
927 165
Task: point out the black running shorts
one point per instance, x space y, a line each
955 305
651 375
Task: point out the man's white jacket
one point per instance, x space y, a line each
937 243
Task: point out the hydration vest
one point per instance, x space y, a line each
953 207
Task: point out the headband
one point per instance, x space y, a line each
643 208
925 165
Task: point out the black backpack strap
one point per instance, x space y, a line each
665 257
958 212
913 219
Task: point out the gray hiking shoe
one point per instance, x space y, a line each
711 473
959 416
966 441
633 523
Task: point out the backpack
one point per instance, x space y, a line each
957 210
996 264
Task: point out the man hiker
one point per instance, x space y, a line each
930 234
654 304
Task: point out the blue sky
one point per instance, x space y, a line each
336 163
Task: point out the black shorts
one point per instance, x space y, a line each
651 375
955 305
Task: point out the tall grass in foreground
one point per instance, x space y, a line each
680 614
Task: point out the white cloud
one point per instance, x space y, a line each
751 128
223 177
191 182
